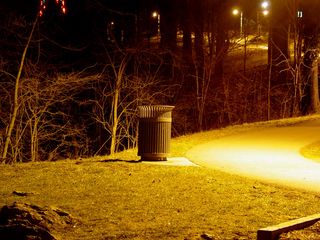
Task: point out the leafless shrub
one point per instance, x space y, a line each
130 79
46 127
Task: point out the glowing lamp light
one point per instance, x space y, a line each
154 14
265 5
59 3
235 11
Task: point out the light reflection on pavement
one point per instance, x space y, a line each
271 155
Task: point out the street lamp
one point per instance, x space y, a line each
264 10
237 12
265 5
156 15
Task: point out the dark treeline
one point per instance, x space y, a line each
84 74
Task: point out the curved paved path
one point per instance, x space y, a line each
271 154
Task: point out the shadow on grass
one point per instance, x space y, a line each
119 160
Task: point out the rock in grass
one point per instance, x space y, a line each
206 236
23 231
22 194
26 221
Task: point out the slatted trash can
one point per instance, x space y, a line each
154 132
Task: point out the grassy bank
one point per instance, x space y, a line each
126 200
115 200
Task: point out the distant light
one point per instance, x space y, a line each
265 4
63 6
155 14
235 11
265 12
299 14
60 3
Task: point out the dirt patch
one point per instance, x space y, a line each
26 221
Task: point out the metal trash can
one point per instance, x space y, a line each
154 132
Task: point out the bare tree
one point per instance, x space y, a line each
45 125
130 79
311 33
16 97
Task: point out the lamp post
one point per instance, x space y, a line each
237 12
264 11
156 15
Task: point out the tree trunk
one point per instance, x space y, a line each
34 139
279 38
16 96
168 24
118 74
310 100
186 19
221 43
115 107
114 125
315 104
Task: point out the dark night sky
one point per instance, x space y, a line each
84 25
32 6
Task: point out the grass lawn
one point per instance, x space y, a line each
127 200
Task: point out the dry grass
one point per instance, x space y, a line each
116 200
309 233
122 200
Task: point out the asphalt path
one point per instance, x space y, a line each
271 154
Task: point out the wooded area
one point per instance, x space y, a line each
70 84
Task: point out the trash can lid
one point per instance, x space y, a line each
149 111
